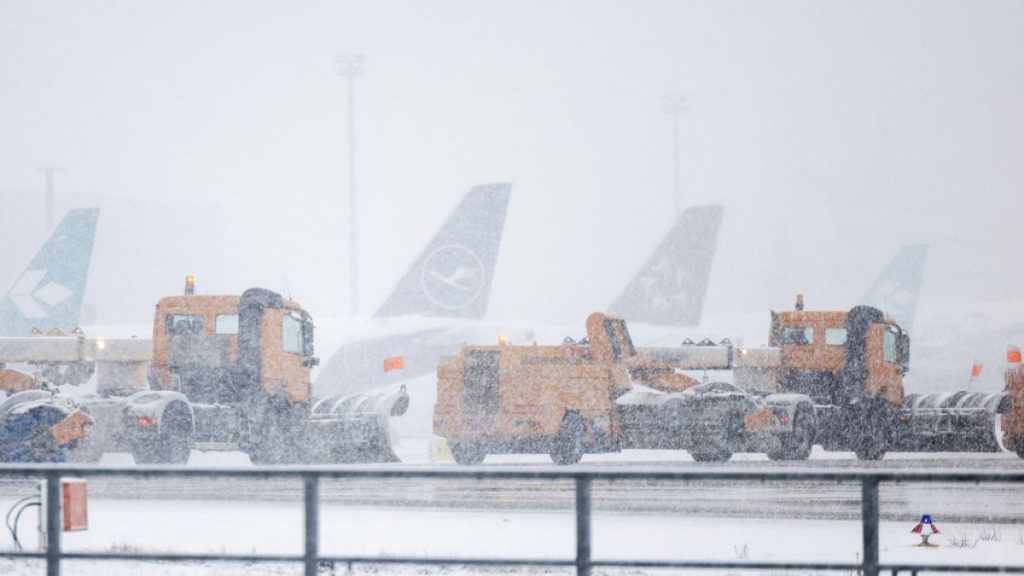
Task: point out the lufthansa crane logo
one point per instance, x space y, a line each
452 276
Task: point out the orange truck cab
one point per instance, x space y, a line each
223 349
836 357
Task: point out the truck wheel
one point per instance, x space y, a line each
796 445
869 448
468 454
172 443
275 432
273 444
874 431
712 455
267 452
568 447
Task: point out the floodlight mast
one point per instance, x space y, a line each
49 171
350 66
676 106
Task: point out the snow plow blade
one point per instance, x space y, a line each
953 422
356 429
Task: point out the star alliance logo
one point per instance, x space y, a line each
452 276
666 286
27 294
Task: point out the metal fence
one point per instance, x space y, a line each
583 477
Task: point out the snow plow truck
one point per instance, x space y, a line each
226 373
580 397
852 365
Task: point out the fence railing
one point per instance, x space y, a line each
583 477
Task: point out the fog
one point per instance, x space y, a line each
215 137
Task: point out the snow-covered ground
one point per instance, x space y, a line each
275 528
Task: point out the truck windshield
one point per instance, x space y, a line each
889 346
835 336
797 335
293 335
227 324
184 324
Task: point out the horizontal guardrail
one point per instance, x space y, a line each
583 477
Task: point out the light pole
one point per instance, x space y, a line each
676 106
350 66
49 171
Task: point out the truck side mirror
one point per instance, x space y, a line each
307 335
903 351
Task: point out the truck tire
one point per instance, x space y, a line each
467 453
869 448
172 443
275 433
568 446
797 444
873 429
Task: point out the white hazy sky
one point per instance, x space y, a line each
833 132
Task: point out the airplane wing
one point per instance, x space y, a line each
669 289
48 293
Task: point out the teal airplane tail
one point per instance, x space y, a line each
48 293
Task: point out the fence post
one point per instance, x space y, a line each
54 525
869 525
312 523
582 526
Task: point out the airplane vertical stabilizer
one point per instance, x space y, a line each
452 276
897 288
48 293
669 290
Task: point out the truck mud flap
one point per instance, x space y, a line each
356 429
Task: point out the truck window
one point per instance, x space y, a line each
835 336
889 346
797 335
184 324
292 335
227 324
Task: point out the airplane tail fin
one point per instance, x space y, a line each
452 276
48 293
669 290
897 288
